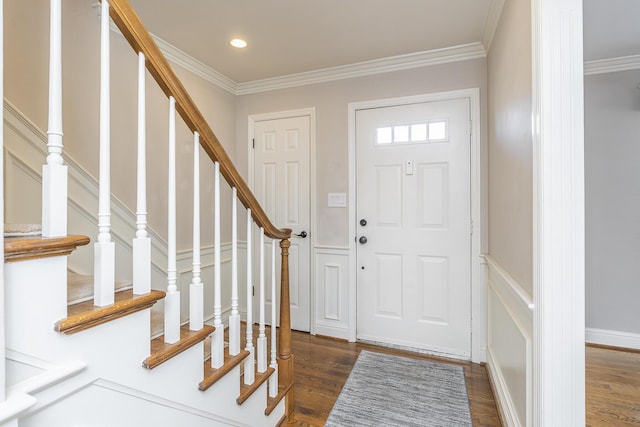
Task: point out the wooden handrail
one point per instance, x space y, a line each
127 20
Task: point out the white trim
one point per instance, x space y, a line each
367 68
122 389
478 285
558 213
508 412
613 338
510 291
277 115
612 65
491 23
360 69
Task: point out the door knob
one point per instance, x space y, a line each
302 234
362 240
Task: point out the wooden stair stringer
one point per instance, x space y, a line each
85 315
161 351
212 375
247 390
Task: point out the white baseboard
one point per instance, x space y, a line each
505 404
612 338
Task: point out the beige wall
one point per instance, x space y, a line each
26 74
510 144
331 101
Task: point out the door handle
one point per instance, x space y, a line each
302 234
362 240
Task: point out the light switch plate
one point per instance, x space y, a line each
337 200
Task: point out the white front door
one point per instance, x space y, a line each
414 225
281 185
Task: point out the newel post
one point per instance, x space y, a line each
285 358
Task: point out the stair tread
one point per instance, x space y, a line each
272 402
85 315
246 390
211 375
24 248
161 351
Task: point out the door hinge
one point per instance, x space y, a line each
471 227
254 143
253 291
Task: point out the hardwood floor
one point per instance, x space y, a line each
612 387
322 366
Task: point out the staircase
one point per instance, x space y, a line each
100 351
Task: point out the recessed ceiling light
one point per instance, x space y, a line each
239 43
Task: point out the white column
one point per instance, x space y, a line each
559 214
249 362
234 318
54 173
104 248
273 379
142 242
196 290
262 338
172 300
217 339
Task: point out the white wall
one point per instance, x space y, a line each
510 276
26 74
612 169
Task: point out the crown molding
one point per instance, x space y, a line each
491 23
188 62
366 68
612 65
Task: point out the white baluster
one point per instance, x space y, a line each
249 362
172 300
234 318
262 338
142 242
196 290
54 173
217 339
273 379
104 249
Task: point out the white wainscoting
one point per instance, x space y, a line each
332 317
613 338
509 347
25 153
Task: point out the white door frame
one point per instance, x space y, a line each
558 213
478 285
302 112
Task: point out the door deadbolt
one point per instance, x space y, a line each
363 222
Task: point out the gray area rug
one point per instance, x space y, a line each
385 390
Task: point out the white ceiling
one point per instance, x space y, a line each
294 36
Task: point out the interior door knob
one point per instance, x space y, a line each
302 234
362 240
